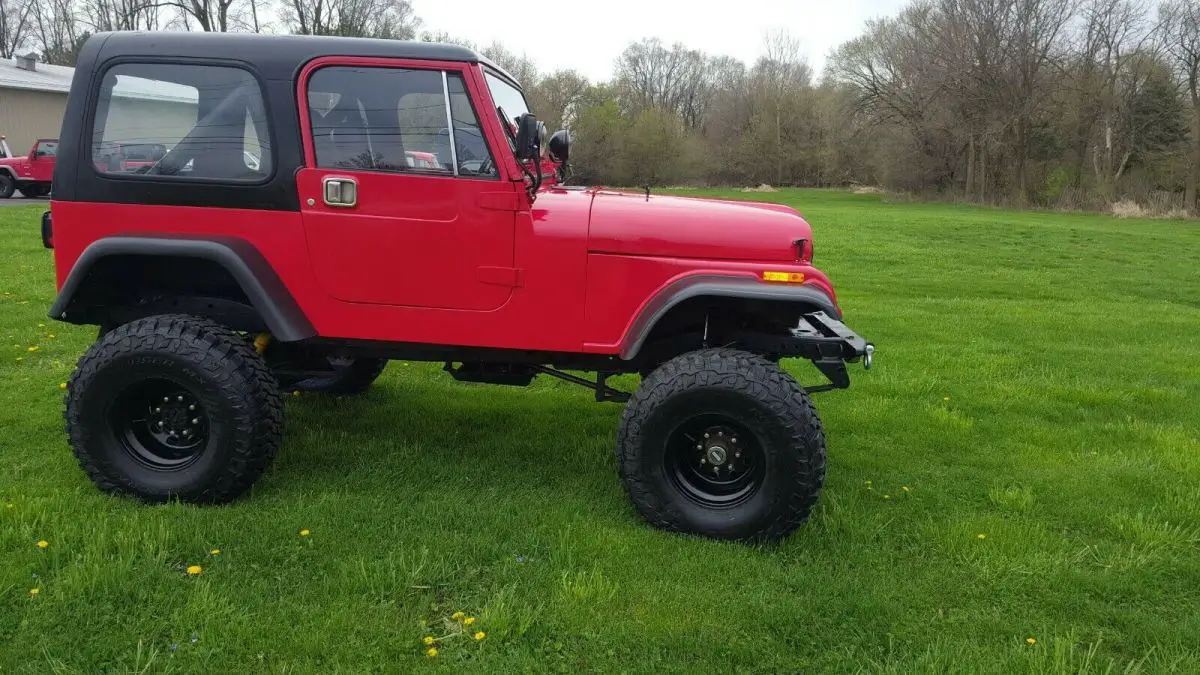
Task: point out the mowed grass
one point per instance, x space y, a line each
1023 462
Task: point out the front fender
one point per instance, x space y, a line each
717 286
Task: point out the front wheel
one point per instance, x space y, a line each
724 444
173 407
7 186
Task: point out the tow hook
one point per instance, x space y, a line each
868 356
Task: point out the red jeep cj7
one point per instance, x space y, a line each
326 204
30 173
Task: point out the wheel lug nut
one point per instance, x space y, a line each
737 454
699 446
179 398
195 420
734 439
703 461
166 399
191 407
706 435
158 410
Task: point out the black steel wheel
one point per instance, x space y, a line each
722 443
173 407
714 460
160 423
7 185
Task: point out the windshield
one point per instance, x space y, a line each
507 97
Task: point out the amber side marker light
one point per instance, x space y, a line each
783 277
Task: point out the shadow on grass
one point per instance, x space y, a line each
418 437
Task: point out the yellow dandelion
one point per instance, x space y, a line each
41 325
34 591
33 348
457 616
1031 640
946 398
479 635
62 385
42 543
428 640
296 392
905 488
981 536
468 621
304 533
887 496
215 551
431 652
868 483
51 335
194 570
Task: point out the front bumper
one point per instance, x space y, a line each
824 340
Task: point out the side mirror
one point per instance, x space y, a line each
560 145
529 137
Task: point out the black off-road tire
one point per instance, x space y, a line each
7 185
354 376
764 404
239 423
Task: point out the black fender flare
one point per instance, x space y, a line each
717 286
258 280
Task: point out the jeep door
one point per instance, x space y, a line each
41 160
401 199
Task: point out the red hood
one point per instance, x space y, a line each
13 161
682 227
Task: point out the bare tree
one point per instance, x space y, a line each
112 15
57 32
14 26
391 19
1180 21
215 16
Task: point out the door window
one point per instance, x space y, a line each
395 120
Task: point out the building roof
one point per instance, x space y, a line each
45 78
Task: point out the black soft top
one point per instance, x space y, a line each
273 56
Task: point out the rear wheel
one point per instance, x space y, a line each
7 186
34 190
173 406
724 444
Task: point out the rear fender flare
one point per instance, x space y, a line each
266 292
716 286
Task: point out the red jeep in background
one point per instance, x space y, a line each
327 204
32 173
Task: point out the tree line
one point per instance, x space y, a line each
1075 103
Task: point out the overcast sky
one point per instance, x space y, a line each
588 36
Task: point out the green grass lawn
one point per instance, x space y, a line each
1023 462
